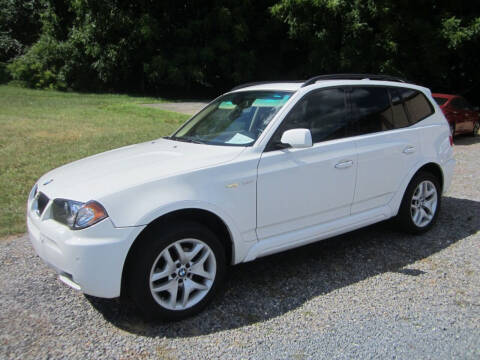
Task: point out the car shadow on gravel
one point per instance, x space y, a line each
274 285
466 140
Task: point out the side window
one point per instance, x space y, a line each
371 110
400 117
323 112
327 115
417 105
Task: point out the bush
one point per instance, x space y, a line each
41 66
4 73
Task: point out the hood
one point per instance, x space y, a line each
96 176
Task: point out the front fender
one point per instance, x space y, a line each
238 239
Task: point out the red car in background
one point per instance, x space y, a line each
462 117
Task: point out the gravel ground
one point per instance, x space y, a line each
373 293
185 107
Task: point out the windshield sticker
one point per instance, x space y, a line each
271 102
227 105
239 139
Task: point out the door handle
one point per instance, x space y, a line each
344 164
409 150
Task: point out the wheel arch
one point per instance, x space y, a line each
431 167
214 222
434 169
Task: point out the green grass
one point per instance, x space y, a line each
42 129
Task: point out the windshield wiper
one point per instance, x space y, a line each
189 140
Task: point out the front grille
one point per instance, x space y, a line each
42 201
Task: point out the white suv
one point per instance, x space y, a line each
264 168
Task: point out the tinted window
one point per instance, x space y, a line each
400 117
326 114
440 101
417 104
371 110
323 112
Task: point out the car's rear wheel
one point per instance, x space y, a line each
176 272
476 128
421 204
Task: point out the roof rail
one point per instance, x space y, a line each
241 86
314 79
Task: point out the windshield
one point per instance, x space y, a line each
235 119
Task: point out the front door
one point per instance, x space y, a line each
301 188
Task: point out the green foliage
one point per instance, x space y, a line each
457 35
154 46
4 73
151 45
429 41
19 26
42 65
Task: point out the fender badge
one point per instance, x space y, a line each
232 186
47 182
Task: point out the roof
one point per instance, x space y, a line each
295 86
333 79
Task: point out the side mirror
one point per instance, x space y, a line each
297 138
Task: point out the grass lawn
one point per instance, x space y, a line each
42 129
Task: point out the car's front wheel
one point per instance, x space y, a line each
176 271
421 203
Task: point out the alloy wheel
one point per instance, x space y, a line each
183 274
424 203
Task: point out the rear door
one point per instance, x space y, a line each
387 146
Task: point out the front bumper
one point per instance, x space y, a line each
90 260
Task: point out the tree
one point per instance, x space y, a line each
431 42
19 26
204 48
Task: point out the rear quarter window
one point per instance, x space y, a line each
417 105
400 116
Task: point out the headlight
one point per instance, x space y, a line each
77 215
89 214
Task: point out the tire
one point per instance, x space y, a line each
169 259
410 217
476 129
